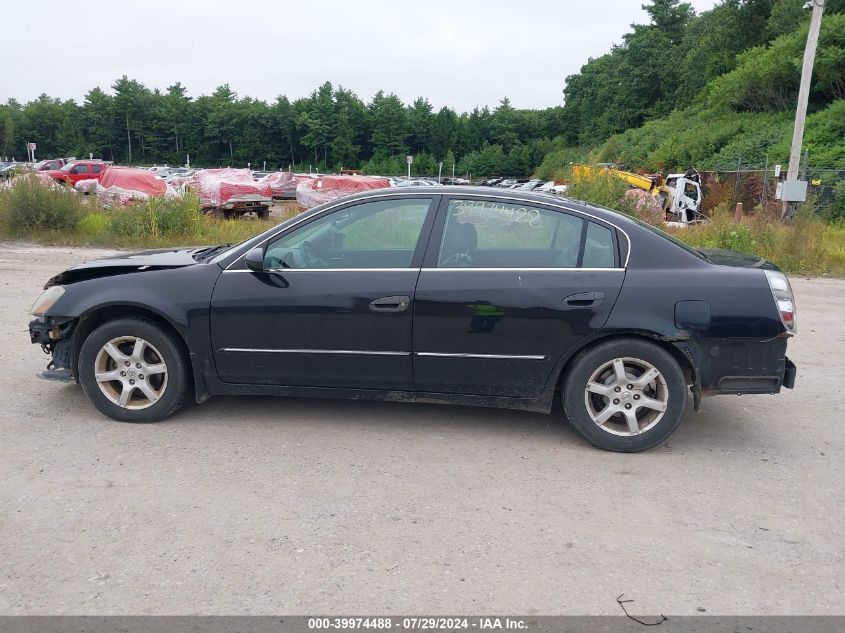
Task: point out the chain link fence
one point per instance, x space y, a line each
756 189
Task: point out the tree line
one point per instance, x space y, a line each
331 129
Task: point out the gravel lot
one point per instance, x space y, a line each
296 506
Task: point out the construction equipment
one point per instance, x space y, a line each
680 195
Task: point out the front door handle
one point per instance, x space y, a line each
584 300
396 303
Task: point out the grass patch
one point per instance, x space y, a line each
29 210
808 246
30 206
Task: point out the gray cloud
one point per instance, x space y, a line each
460 54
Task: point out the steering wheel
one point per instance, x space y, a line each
310 257
272 262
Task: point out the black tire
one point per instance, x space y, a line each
165 346
576 402
264 215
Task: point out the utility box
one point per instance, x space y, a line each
792 191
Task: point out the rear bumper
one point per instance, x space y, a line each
742 366
789 374
239 204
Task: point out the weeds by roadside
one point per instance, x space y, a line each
30 206
808 245
56 215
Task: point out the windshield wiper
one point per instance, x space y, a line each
213 250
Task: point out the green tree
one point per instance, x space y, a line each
129 107
7 140
670 17
174 111
388 120
222 123
419 125
443 130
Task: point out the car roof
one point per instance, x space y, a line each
521 195
613 218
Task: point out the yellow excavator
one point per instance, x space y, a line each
680 194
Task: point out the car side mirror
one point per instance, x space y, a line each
254 259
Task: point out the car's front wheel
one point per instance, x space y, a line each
625 395
132 370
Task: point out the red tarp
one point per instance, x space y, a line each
282 184
216 186
312 192
131 179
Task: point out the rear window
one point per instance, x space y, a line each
689 249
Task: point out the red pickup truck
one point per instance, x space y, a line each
77 170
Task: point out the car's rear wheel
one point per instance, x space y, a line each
132 370
625 395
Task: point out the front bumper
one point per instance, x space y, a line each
54 337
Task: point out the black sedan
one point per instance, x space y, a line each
466 296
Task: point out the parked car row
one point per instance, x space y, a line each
7 169
525 184
168 173
52 164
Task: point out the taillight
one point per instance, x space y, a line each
784 299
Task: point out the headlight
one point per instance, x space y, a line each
46 300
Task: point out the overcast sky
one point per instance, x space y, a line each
460 54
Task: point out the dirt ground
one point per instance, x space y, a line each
287 506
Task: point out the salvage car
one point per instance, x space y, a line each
474 297
73 172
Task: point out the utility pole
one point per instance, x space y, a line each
803 96
128 139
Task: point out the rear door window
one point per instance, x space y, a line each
486 234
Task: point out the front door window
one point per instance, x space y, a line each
382 234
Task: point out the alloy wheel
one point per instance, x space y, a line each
130 372
626 396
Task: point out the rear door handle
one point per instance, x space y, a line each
396 303
584 300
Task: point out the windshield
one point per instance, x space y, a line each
219 255
68 167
